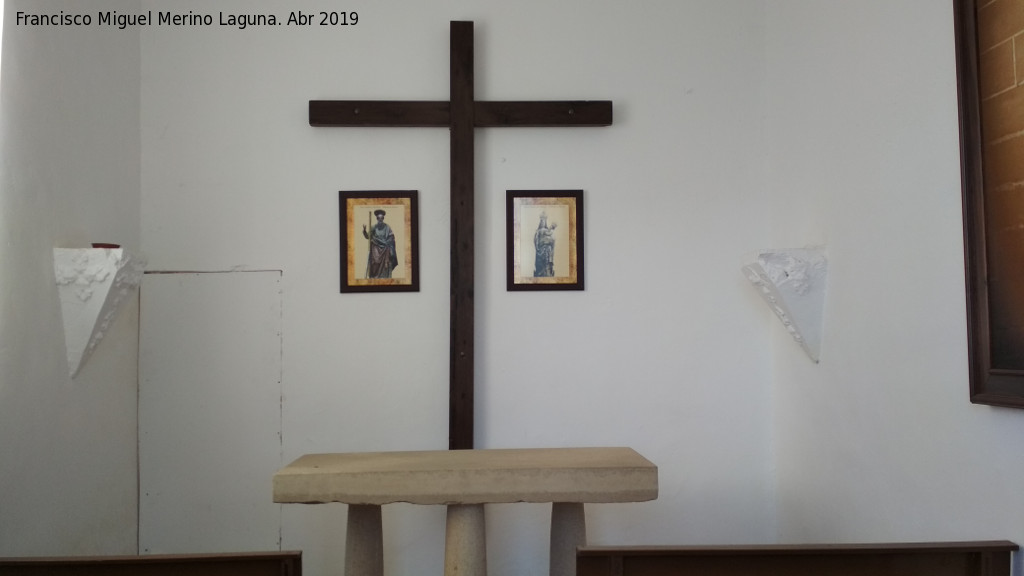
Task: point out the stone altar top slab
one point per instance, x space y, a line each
470 477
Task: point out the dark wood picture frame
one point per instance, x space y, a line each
553 221
393 266
988 384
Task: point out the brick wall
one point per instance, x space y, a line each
1001 79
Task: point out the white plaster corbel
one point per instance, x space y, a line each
92 283
792 282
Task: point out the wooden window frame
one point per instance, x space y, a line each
988 385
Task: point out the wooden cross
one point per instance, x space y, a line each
460 115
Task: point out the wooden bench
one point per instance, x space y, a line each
464 481
247 564
988 558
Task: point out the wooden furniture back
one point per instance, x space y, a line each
251 564
989 558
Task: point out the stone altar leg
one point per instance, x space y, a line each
465 544
568 531
364 541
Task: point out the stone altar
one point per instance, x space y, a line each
465 480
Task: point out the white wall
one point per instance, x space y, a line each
879 441
666 349
739 125
70 175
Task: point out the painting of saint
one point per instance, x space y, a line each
383 254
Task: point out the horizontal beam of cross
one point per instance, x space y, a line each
385 113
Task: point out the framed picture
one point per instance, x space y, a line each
991 135
544 239
379 241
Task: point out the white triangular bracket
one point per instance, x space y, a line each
792 282
93 283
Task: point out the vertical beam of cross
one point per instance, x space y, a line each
461 115
460 393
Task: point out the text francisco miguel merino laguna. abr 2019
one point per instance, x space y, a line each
241 21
